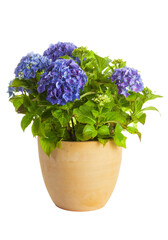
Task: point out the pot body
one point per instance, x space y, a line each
81 176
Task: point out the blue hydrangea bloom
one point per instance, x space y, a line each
30 65
63 81
127 80
60 49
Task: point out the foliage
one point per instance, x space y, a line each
100 113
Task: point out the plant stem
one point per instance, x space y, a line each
69 130
88 93
73 129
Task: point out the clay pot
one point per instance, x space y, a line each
81 176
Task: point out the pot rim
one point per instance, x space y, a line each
84 141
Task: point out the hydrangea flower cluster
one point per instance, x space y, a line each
55 51
30 64
63 81
127 80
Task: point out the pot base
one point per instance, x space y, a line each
72 210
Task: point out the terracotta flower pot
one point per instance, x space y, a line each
82 175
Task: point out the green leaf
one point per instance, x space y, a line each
46 114
138 105
47 127
21 109
67 106
134 130
27 101
79 132
152 97
102 62
65 57
132 97
51 129
36 128
62 117
118 128
20 83
142 118
47 145
59 145
103 131
149 108
89 131
118 137
84 115
95 113
120 140
105 111
17 101
103 141
149 95
116 117
90 104
26 120
59 131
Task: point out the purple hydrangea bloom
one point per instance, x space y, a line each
55 51
63 81
127 80
30 65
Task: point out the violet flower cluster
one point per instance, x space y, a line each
55 51
30 65
127 80
63 81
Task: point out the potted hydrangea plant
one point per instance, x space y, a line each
79 104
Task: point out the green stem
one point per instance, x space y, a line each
88 93
70 133
73 129
98 120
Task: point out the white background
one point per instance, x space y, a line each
133 30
